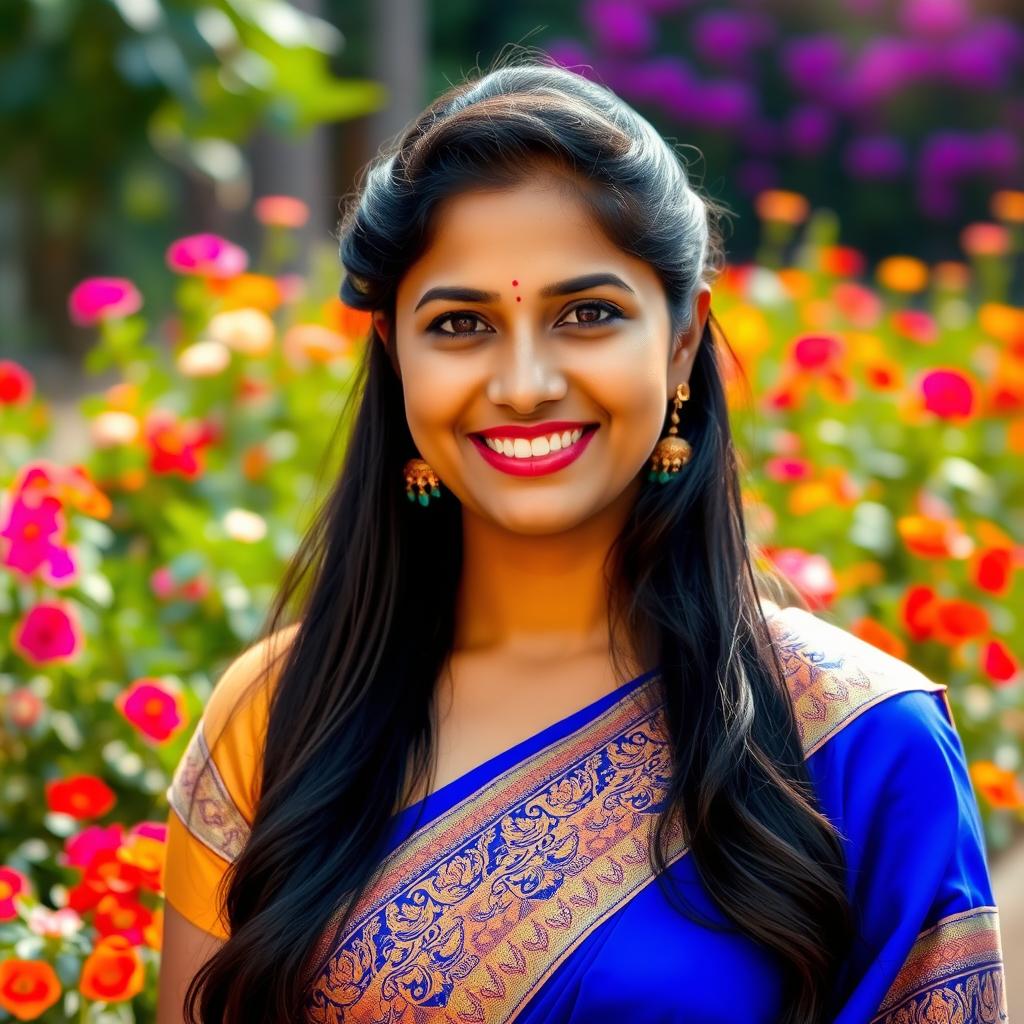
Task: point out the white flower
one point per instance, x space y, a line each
245 526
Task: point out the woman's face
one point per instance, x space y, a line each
522 314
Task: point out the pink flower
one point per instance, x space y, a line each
151 829
152 708
208 255
817 352
784 470
916 325
16 384
811 575
29 538
80 849
281 211
167 588
24 707
11 883
100 298
948 393
48 632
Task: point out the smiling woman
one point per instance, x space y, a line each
503 713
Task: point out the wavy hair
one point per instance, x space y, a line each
374 581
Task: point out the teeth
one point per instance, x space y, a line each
521 448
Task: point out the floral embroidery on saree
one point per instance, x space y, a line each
954 973
215 819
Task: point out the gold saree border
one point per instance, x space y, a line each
215 820
471 914
953 973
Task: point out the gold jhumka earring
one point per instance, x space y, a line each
419 474
672 452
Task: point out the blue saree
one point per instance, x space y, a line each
522 890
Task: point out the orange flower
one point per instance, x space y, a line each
842 261
998 662
951 275
1008 205
28 988
875 633
153 933
281 211
1005 323
902 274
316 343
883 375
257 291
1015 437
782 206
798 283
113 971
999 786
144 857
349 322
121 914
255 461
930 537
957 620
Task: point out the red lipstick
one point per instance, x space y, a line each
534 465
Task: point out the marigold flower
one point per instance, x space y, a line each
1008 205
81 796
102 298
879 636
998 786
998 662
49 632
17 385
782 206
932 537
902 274
28 988
113 972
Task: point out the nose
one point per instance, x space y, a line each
525 373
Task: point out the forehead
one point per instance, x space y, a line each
534 232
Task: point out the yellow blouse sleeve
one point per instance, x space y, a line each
213 794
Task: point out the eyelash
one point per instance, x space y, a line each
614 314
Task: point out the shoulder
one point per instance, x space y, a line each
220 768
834 678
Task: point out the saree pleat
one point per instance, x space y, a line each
523 890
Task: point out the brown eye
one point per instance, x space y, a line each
590 313
461 322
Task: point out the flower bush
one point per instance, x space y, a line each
881 433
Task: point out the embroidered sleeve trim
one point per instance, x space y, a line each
954 972
200 798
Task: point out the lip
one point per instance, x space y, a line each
534 429
537 465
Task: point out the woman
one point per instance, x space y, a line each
532 672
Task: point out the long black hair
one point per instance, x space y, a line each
373 587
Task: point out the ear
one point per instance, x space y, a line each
688 341
381 324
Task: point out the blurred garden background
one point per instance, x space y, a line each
174 361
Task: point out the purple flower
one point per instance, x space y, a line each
886 66
755 176
809 129
934 17
947 155
667 81
813 62
983 59
568 53
728 38
620 27
997 152
724 104
875 158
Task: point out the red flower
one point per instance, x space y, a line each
817 352
16 384
81 796
992 570
998 662
122 914
11 883
917 609
958 620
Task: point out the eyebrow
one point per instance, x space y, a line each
567 287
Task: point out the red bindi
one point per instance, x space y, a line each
515 284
